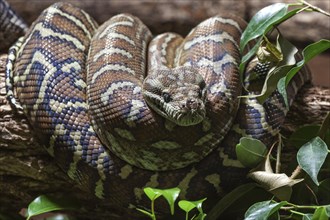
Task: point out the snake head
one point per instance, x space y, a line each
177 94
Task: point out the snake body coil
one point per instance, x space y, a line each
204 62
11 25
50 73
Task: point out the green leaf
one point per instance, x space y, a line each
320 214
262 210
281 88
304 134
251 52
44 204
307 216
261 22
327 210
282 68
171 195
272 79
186 206
269 52
199 204
229 199
152 193
311 156
308 53
250 151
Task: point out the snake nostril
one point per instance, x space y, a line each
192 104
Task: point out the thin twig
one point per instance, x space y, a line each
315 8
296 172
278 155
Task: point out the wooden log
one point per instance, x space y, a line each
26 170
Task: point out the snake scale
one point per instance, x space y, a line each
120 110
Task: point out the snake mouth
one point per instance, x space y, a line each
180 116
189 118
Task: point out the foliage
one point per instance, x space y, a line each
312 140
44 204
171 195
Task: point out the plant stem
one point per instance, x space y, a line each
278 156
293 206
297 213
296 172
153 217
315 8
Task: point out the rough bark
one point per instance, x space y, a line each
26 170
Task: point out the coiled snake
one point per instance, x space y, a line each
164 107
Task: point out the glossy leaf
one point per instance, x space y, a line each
44 204
308 53
199 204
152 193
327 210
307 216
320 214
261 22
252 51
271 81
171 195
250 151
230 199
281 88
288 52
262 210
187 206
311 157
269 52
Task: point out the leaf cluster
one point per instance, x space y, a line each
171 196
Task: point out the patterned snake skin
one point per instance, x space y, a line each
125 70
11 25
190 71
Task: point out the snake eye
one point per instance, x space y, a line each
202 85
167 97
